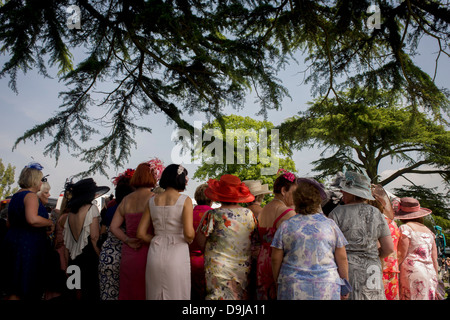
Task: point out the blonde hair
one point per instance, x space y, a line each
30 178
307 199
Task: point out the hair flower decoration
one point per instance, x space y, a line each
157 167
127 174
286 174
180 169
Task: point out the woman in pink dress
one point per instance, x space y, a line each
272 215
134 251
198 282
417 253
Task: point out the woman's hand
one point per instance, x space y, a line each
134 243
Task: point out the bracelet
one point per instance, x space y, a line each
126 240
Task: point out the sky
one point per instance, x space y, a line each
38 100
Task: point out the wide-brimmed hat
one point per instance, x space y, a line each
316 184
409 208
228 189
257 188
357 184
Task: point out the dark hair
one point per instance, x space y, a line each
77 201
143 177
281 182
306 198
122 190
171 178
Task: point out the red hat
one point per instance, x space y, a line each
409 208
228 189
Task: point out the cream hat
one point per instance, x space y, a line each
256 188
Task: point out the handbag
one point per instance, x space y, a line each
346 288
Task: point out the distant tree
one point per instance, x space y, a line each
362 130
7 180
246 170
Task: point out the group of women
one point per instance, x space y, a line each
159 246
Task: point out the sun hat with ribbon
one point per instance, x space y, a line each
228 189
257 188
409 208
357 184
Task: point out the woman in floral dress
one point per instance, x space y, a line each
417 253
390 263
309 257
229 237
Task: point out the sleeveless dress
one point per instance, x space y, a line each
198 282
110 256
232 238
83 255
132 264
418 278
265 284
168 274
25 250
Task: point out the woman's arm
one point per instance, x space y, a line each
340 255
386 246
117 222
95 234
402 248
188 223
434 257
143 226
277 259
31 203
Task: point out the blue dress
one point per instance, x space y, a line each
309 270
25 252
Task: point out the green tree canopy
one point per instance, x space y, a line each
246 170
363 131
188 56
7 180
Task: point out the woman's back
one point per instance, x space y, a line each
270 213
421 241
136 201
168 264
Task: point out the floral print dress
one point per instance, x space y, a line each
390 264
309 270
232 240
418 279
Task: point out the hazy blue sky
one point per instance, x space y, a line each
38 100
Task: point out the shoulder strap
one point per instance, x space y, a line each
181 199
281 216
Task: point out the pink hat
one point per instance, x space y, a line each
409 208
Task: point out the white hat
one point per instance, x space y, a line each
256 188
357 184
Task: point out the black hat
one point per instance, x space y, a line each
84 191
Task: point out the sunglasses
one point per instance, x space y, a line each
44 178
